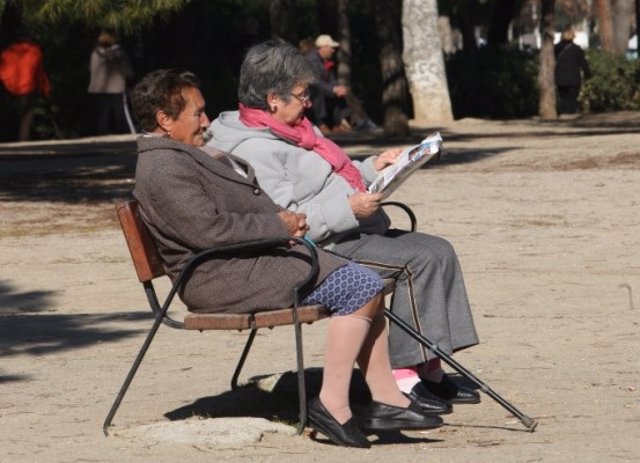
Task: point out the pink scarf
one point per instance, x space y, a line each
305 137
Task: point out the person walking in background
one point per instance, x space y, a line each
571 67
110 71
329 110
23 75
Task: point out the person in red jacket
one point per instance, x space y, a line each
23 75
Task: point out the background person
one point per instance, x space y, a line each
110 72
330 110
306 172
571 67
191 201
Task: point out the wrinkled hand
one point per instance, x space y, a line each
296 223
364 204
387 158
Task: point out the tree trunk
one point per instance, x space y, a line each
622 18
638 28
605 25
424 63
282 16
546 83
10 22
469 43
344 62
344 38
503 13
394 82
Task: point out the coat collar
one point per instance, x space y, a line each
148 143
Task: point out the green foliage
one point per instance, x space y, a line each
122 15
496 83
614 84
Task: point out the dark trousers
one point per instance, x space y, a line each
328 110
568 99
109 113
430 294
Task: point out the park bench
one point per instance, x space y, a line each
148 265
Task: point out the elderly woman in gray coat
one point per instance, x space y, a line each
191 200
303 171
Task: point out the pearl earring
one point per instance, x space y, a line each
274 108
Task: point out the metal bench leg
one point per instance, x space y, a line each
132 372
302 387
243 357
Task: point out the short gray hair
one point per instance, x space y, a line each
276 67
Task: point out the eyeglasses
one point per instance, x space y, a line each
303 98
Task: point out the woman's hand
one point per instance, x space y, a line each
296 223
364 204
387 158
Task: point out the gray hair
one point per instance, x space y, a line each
276 67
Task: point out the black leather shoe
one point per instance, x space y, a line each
346 435
383 417
451 392
428 402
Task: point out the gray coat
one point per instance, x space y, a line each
298 179
192 202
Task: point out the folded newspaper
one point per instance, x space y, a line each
408 161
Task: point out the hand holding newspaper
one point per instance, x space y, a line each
409 160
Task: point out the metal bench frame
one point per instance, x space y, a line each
148 266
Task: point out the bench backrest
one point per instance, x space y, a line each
143 249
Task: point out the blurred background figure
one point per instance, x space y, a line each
329 111
571 67
23 75
111 74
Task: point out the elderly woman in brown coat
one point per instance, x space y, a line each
192 200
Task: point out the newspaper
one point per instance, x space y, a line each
408 161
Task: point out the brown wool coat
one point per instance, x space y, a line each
192 202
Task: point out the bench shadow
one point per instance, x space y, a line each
275 398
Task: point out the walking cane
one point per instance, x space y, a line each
528 422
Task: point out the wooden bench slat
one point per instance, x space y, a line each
268 319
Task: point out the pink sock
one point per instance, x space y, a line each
431 371
406 378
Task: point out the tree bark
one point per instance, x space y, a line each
622 15
282 17
637 28
469 43
605 25
546 83
424 62
344 38
394 82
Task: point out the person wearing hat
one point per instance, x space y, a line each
329 111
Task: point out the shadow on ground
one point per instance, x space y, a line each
67 172
98 170
29 327
275 398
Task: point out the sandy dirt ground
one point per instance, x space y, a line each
546 221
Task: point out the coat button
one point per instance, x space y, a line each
256 192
